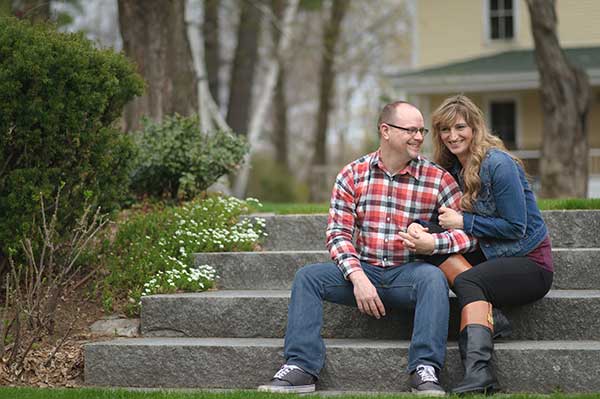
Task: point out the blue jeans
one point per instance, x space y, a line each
417 285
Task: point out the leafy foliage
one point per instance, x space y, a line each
59 98
165 239
177 159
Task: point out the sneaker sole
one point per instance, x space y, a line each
288 389
428 393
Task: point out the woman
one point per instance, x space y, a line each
513 265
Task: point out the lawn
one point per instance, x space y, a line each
96 393
309 208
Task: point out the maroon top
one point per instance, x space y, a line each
542 255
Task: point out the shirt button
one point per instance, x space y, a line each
385 259
388 219
386 240
389 197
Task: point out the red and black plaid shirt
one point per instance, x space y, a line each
370 204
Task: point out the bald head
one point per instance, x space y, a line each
390 111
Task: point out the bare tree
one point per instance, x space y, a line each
212 48
280 121
565 97
243 69
331 33
266 95
154 35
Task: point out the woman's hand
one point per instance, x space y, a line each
450 219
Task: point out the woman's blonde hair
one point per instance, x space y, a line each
445 116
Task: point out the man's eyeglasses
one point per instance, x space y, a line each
411 130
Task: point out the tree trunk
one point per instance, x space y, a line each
212 50
244 62
266 95
331 33
565 97
155 37
280 125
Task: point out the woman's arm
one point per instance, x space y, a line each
509 197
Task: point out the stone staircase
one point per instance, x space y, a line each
232 338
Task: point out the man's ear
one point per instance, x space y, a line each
384 132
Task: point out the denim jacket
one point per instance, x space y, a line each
506 219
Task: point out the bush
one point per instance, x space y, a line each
165 239
59 97
177 159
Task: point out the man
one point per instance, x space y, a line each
374 199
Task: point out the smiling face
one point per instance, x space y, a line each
401 143
457 138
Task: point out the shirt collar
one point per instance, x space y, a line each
413 167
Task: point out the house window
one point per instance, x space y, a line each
503 121
501 19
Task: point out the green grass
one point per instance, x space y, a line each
281 208
95 393
569 203
309 208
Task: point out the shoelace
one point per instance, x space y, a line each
283 371
427 373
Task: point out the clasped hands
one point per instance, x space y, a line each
418 239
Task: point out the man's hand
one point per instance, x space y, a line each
415 230
367 299
450 219
424 244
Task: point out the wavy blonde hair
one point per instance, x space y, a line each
483 140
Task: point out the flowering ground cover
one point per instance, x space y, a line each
152 251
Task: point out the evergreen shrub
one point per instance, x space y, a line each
59 100
177 160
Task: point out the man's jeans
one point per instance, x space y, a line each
419 286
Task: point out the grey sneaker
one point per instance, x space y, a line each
424 381
290 379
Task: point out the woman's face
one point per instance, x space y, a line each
457 138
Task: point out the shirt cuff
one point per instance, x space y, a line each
349 266
440 243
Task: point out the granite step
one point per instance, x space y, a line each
544 366
562 314
577 268
568 228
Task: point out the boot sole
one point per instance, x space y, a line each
489 390
506 333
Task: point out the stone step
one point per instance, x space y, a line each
569 229
351 365
577 268
562 314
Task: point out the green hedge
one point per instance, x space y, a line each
177 160
59 100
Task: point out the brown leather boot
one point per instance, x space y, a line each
456 264
476 347
453 266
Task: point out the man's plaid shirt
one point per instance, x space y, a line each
372 206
